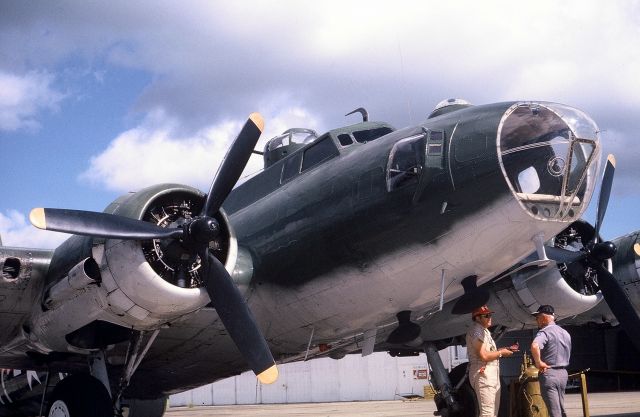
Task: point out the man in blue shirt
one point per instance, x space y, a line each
551 350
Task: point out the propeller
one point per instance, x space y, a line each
605 191
619 304
238 320
90 223
595 253
194 237
233 164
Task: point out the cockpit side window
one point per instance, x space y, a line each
364 136
291 167
345 139
320 151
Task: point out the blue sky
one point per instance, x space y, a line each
101 98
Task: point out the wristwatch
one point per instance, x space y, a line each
499 354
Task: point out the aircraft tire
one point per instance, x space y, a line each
465 395
80 396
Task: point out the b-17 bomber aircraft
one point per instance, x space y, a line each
365 238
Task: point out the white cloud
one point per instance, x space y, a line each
207 65
155 152
23 96
16 231
211 62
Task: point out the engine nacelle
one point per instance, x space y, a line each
129 284
142 279
571 289
547 285
513 300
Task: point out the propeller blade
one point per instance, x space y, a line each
238 320
619 304
89 223
605 191
233 164
563 256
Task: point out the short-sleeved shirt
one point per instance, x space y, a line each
555 345
476 331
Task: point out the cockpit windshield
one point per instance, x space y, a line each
287 143
293 136
549 155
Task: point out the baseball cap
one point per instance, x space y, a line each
544 309
481 310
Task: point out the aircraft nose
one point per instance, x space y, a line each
549 154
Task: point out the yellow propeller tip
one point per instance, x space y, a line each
636 248
257 119
268 376
612 159
37 218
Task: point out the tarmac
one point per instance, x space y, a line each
616 404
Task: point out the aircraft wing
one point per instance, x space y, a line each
21 286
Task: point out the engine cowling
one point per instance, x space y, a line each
127 284
149 279
533 288
571 289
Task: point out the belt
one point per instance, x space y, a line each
558 367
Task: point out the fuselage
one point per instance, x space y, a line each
341 248
332 239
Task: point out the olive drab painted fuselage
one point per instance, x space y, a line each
336 235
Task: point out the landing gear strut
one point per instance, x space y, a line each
445 401
454 396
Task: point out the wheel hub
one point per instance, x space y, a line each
59 409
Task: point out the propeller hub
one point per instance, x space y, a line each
603 251
204 229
